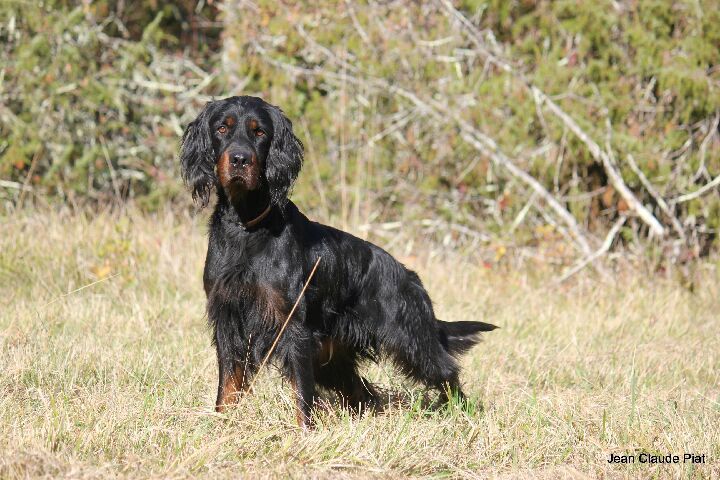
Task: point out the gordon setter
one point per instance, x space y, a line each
360 304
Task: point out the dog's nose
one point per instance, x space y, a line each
241 159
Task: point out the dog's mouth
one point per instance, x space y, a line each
236 177
245 176
242 181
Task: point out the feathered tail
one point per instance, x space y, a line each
458 337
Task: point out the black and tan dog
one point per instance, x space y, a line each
360 304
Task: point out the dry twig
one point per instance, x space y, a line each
700 192
26 184
677 226
442 112
597 254
540 97
610 168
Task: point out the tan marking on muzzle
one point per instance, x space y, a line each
223 169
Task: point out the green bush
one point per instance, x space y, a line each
642 74
92 109
94 100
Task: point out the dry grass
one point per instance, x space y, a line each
117 379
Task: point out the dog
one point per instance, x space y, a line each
361 303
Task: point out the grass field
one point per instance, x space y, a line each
117 378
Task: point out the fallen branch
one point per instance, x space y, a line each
599 253
677 226
502 160
26 184
595 150
610 169
14 185
700 192
442 112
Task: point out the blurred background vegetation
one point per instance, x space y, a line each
470 121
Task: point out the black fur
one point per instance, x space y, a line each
361 302
197 157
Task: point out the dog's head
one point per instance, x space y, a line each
240 145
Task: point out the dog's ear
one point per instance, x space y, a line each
197 158
285 158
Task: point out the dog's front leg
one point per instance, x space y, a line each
302 378
234 378
235 367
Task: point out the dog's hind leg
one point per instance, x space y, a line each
450 390
421 356
336 369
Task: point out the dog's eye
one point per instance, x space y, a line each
259 133
222 129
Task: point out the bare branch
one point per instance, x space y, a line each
26 184
677 226
502 160
523 213
602 156
599 253
472 135
14 185
700 192
595 150
712 130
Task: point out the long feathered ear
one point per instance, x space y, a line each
284 159
197 158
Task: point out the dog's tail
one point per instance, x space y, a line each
458 337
